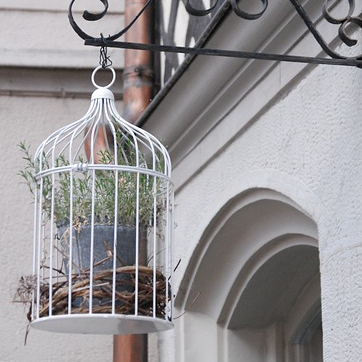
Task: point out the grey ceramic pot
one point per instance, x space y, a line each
103 245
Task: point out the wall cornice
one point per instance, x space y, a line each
52 82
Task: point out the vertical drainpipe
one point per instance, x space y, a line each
137 93
138 74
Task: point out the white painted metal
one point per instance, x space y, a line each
97 176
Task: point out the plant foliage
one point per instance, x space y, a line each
93 192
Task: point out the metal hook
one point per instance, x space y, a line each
104 59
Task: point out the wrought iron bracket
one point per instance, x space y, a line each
333 58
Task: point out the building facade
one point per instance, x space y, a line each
267 170
267 167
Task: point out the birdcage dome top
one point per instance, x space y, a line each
102 139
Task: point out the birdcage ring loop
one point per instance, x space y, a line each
95 72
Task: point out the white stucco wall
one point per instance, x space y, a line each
305 145
38 33
311 137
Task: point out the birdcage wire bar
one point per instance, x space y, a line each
96 176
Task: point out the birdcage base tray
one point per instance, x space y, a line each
101 324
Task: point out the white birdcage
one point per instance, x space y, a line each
103 226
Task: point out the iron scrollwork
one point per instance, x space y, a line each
97 16
344 22
235 6
246 15
194 11
199 12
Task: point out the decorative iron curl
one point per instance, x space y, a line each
342 31
198 12
343 21
333 20
97 16
249 16
235 6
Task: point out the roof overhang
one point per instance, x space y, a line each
203 92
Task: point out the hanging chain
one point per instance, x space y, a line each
104 59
